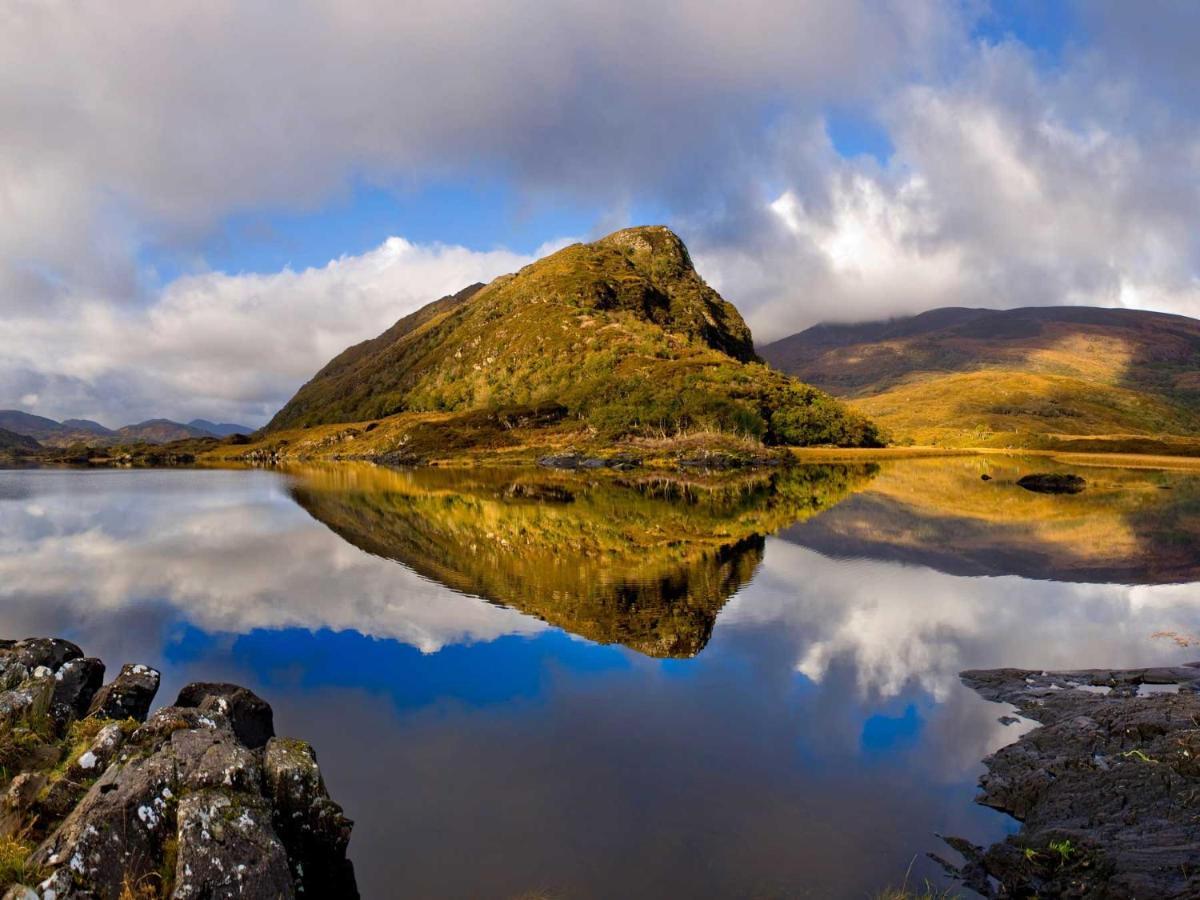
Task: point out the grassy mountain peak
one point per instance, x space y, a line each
622 335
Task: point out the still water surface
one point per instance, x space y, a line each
525 685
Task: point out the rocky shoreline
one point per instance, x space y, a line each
1107 789
198 800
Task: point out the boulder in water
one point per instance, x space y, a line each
1052 483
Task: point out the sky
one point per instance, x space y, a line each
205 200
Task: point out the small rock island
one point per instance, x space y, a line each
198 800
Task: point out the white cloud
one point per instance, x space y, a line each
1007 187
165 118
900 626
152 127
229 558
232 347
1011 182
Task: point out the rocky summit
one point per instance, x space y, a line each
620 336
200 799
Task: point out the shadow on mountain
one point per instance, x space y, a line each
643 562
1129 526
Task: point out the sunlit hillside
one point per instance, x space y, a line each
1040 377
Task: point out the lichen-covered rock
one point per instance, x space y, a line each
18 800
81 772
180 803
76 682
227 848
128 696
311 824
163 723
28 701
252 718
48 652
214 759
118 830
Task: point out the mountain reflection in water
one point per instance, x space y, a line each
1130 526
645 562
745 686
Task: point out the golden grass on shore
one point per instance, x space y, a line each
1114 460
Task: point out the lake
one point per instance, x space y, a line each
544 685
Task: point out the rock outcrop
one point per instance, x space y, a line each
197 800
1107 789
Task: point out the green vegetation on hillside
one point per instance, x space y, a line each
1042 378
15 444
622 334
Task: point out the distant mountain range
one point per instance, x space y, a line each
1070 377
49 433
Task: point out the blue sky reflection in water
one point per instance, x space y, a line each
811 748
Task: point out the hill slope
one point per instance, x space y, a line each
11 441
29 425
159 431
622 335
1034 377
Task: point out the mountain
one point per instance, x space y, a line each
54 434
86 426
11 441
159 431
222 429
621 335
29 425
1071 377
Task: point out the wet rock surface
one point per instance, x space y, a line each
197 800
1107 788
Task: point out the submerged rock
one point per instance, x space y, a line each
1052 483
198 800
1107 789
